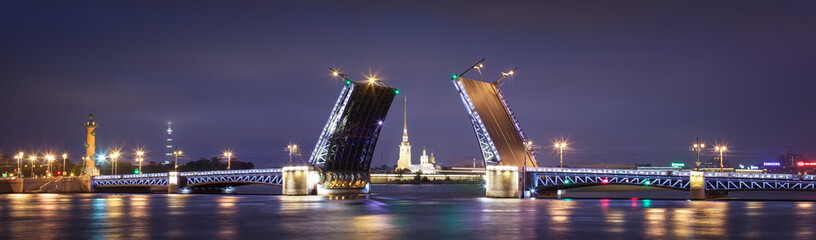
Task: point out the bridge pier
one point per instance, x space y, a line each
173 182
299 180
502 182
697 188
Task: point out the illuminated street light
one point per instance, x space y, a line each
32 158
19 158
560 146
720 149
64 157
228 155
176 154
292 148
114 156
50 159
698 147
140 159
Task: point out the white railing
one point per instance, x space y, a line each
672 173
220 172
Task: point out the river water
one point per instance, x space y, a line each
403 212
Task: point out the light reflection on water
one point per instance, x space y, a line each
393 215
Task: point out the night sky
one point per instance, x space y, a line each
624 81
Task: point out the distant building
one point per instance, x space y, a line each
404 161
169 145
427 164
714 162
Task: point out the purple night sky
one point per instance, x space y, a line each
624 81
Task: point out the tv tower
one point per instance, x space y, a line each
169 144
90 147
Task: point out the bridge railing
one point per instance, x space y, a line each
146 175
222 172
599 171
673 173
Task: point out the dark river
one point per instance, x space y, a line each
404 212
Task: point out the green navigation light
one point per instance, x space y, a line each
348 82
396 91
454 76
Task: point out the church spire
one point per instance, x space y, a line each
405 120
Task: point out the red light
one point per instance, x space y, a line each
633 199
806 164
605 180
59 172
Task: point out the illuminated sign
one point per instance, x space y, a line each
771 164
753 167
678 164
806 164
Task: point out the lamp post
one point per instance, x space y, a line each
698 147
720 149
64 157
50 159
561 146
20 163
140 159
32 158
292 150
228 155
114 164
176 154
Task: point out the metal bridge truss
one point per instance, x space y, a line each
561 181
323 145
485 143
256 178
131 182
731 184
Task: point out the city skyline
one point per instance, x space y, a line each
624 92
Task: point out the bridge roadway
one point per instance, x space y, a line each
502 181
294 180
710 184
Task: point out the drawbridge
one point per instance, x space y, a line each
501 139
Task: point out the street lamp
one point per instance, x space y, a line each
292 150
720 149
176 154
140 159
560 146
50 159
228 155
114 156
698 147
19 158
32 158
64 157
